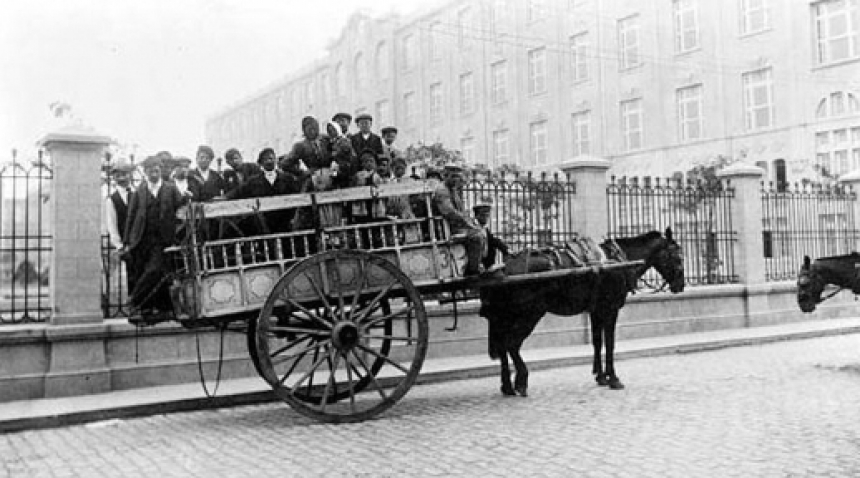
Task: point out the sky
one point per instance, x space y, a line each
150 72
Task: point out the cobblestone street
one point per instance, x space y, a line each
785 409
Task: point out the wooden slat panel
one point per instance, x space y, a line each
242 207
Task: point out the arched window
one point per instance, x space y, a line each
382 61
360 71
339 80
837 143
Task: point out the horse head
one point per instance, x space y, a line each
667 257
810 285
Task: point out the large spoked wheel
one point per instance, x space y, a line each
341 337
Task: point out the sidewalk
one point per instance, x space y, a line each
30 414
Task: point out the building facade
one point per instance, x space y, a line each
656 86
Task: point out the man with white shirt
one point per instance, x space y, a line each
188 186
212 184
116 215
270 183
364 139
151 227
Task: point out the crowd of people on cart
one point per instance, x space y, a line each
141 221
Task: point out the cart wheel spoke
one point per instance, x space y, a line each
330 350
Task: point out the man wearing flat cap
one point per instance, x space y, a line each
116 216
212 184
343 120
494 244
150 228
364 139
448 203
389 134
239 171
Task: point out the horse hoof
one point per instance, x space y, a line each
508 391
523 392
616 384
601 380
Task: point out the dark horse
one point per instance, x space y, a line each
813 277
513 312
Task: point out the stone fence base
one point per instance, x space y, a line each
44 361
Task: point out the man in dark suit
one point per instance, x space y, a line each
212 184
270 182
239 171
151 227
494 244
448 203
364 139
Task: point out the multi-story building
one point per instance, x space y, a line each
656 86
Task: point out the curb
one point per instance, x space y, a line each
477 371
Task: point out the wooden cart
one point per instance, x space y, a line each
335 320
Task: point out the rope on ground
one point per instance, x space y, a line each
220 364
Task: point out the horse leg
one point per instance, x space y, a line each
610 320
521 382
507 387
597 343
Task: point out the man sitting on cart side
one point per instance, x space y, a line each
495 244
151 227
448 203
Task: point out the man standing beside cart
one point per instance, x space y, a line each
448 203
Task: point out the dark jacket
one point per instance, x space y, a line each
259 186
235 177
168 200
373 143
210 188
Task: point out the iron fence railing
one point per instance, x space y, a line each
26 240
699 214
805 219
528 210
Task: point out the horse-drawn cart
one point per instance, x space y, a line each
334 315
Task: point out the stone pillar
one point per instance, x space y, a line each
747 220
76 334
852 180
589 209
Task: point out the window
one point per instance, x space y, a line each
578 56
631 124
383 61
837 26
325 85
501 152
838 147
410 53
463 25
383 113
628 42
435 42
409 108
755 16
498 15
758 99
581 133
537 71
339 80
837 103
467 148
499 73
360 71
690 113
686 25
436 103
309 94
467 93
536 10
538 143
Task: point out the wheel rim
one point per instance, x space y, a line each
341 337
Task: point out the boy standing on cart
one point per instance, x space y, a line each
448 203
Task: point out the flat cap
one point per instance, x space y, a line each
152 161
122 165
345 116
363 116
388 129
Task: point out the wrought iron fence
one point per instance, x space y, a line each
698 213
26 240
114 270
528 210
805 219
